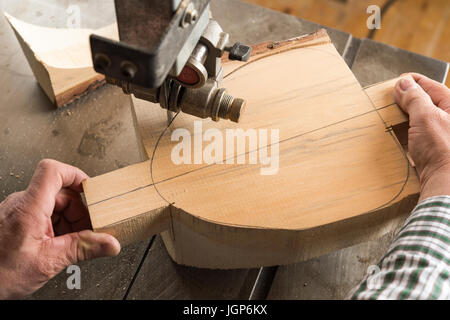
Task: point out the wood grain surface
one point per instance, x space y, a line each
338 161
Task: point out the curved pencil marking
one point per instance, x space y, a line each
408 168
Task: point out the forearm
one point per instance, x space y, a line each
417 264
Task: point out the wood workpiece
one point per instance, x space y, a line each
145 270
60 58
343 177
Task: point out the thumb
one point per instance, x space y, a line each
413 99
74 247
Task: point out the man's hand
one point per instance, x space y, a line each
41 230
428 104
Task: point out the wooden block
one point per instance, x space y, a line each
60 58
342 177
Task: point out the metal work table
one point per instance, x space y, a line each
96 133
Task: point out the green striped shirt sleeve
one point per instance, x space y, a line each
417 264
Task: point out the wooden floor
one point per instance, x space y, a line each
421 26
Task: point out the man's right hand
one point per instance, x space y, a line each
428 104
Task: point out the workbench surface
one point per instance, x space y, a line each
96 134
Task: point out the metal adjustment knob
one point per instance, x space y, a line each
240 52
227 107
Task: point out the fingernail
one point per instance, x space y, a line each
406 84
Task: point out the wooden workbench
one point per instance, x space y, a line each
96 134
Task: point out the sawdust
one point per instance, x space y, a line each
363 260
96 138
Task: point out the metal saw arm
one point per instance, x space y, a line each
170 53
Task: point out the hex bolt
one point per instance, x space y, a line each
101 62
190 16
128 69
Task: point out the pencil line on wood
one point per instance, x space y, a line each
269 145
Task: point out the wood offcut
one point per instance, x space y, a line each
60 58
